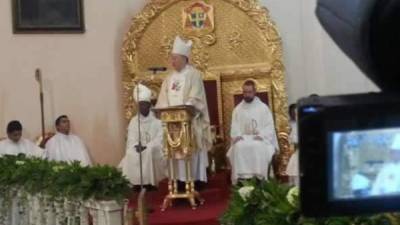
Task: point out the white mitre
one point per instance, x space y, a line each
396 143
144 93
181 47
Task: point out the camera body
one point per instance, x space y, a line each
344 143
349 145
366 31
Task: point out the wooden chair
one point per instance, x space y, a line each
212 87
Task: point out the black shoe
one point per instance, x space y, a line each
199 185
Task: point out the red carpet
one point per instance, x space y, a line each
216 194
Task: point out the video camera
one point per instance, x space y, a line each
349 145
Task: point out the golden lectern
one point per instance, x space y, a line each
179 144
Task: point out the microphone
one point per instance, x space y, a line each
156 69
38 76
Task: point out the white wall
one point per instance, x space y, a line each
313 62
83 78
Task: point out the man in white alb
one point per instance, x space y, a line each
15 144
388 179
154 165
64 146
253 137
185 87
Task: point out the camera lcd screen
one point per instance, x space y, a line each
349 154
364 164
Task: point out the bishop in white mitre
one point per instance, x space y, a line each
65 146
153 162
15 144
185 87
253 137
388 179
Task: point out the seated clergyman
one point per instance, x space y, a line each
15 144
253 136
64 146
153 165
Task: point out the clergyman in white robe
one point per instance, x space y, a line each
64 146
249 157
15 144
23 146
154 169
387 182
67 147
185 87
154 165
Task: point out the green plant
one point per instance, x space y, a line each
271 203
61 180
9 165
107 183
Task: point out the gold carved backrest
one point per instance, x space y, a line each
235 40
234 96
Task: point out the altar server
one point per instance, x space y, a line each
15 144
64 146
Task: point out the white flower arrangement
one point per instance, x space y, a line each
245 192
19 162
57 168
292 195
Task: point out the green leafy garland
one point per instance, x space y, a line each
271 203
62 180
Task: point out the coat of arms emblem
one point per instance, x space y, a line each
198 18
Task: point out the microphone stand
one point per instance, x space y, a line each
142 210
140 148
38 76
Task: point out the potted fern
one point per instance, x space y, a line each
107 188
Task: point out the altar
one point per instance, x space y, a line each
234 40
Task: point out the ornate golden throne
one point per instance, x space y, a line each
234 40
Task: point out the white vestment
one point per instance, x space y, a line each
359 182
154 165
67 148
249 157
294 138
186 88
388 180
293 165
24 146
